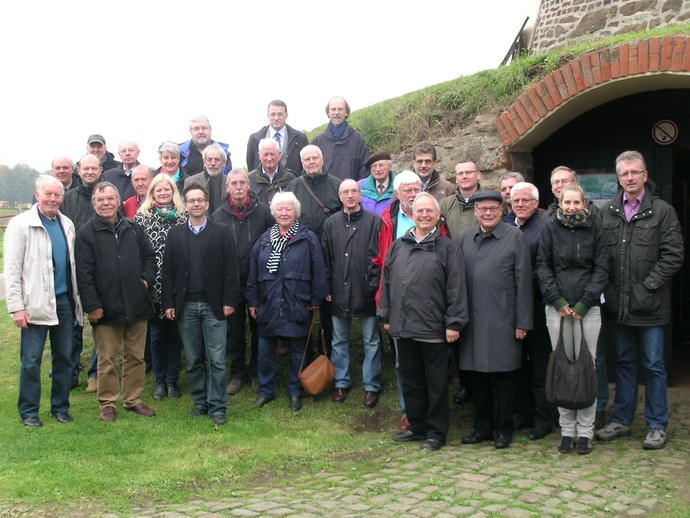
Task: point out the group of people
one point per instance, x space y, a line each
182 257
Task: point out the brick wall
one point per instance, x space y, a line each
564 22
647 56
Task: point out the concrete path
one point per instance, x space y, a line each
528 479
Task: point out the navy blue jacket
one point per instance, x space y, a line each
282 297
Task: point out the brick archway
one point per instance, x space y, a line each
649 64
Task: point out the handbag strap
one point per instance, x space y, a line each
325 209
306 345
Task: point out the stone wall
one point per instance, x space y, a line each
565 22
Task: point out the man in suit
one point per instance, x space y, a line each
290 141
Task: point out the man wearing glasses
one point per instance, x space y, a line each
645 251
424 164
191 157
498 274
459 207
200 289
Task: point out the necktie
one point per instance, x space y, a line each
277 137
381 188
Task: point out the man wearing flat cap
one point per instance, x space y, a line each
498 274
377 188
95 145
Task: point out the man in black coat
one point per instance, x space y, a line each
350 242
290 141
200 290
247 218
115 267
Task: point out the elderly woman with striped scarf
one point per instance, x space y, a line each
287 280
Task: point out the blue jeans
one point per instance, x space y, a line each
340 353
204 339
166 351
77 347
33 340
650 343
266 366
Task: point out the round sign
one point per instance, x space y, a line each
665 132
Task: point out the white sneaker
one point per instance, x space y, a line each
655 440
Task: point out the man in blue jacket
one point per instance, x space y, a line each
191 157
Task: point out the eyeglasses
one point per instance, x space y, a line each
523 201
630 173
194 201
465 173
492 210
425 211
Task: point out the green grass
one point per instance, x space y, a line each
93 466
400 123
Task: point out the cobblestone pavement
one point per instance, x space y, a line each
528 479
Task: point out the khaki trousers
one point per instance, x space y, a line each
131 338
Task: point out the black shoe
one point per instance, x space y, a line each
160 392
295 403
407 436
523 424
218 419
31 421
566 445
538 432
174 391
262 400
476 437
197 411
462 396
503 440
584 446
62 417
431 445
599 420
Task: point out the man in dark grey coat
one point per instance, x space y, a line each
350 241
211 178
498 272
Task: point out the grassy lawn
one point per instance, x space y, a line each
92 465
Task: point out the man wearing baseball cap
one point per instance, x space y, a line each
95 145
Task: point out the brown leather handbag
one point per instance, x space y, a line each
316 376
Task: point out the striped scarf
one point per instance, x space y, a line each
278 244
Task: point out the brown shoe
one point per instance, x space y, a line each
92 385
107 414
235 386
404 424
141 409
370 399
339 395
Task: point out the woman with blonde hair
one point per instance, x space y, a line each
159 212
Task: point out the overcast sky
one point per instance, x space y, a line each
141 69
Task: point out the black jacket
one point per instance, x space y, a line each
215 185
350 242
572 263
289 159
246 232
219 268
112 263
119 179
77 205
325 187
423 290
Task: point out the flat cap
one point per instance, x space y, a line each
375 157
96 138
487 195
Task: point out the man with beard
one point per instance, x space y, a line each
344 149
248 218
191 157
424 164
211 177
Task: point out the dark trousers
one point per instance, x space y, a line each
237 344
424 371
491 389
530 379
